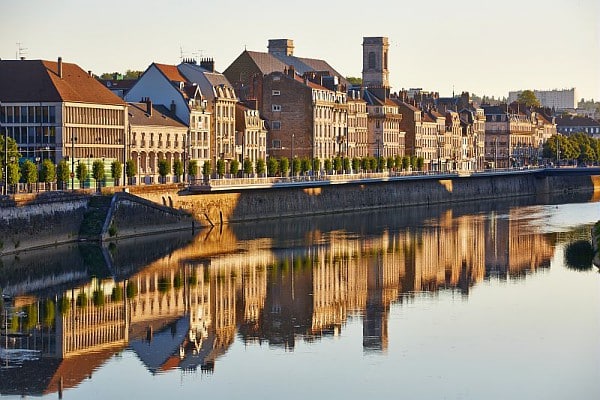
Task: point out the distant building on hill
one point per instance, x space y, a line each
556 99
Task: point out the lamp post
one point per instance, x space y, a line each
73 140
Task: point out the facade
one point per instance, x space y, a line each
570 124
555 99
164 85
424 134
357 142
154 134
56 110
251 134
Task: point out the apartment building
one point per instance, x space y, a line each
251 134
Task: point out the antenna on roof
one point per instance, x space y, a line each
21 51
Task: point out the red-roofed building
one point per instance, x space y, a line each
56 110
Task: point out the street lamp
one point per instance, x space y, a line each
73 140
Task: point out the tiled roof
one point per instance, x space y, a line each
161 116
171 72
266 62
576 121
38 80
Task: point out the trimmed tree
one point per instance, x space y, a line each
272 166
62 174
29 173
178 169
327 165
420 163
260 167
346 165
304 165
98 172
47 173
81 172
248 167
316 165
284 166
116 171
405 163
206 169
296 166
337 164
221 168
163 169
192 169
130 170
355 164
234 167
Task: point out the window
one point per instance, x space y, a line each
372 60
276 107
276 125
275 92
276 144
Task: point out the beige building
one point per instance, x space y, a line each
56 110
155 133
357 142
251 134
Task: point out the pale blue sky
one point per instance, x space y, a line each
483 47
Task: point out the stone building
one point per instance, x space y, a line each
423 138
357 142
165 85
56 110
251 134
155 133
386 139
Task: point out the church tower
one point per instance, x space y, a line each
375 73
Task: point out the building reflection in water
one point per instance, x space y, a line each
184 310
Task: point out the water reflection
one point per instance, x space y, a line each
178 302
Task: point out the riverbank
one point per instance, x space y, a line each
52 218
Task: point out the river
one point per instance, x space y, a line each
487 300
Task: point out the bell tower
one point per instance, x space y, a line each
375 73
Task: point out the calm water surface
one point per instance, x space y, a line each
484 301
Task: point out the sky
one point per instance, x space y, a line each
486 48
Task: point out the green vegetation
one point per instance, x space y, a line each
248 167
130 169
81 173
163 169
177 169
47 173
193 168
206 169
528 98
221 168
579 255
272 166
260 167
116 171
98 173
62 174
577 147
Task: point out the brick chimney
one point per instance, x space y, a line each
208 64
148 106
60 72
281 47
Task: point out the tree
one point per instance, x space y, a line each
177 169
346 165
260 167
372 164
354 80
381 163
295 166
206 169
355 164
62 174
192 168
304 165
14 174
365 164
131 169
327 165
272 166
47 172
284 166
221 168
316 165
248 167
390 163
234 167
163 169
29 173
82 173
413 162
337 165
405 163
528 98
398 162
116 170
98 172
420 163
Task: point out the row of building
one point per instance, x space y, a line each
265 104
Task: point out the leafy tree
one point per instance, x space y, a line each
130 169
98 172
346 165
337 164
420 163
295 166
327 165
390 163
221 168
234 167
192 168
272 166
29 173
177 169
413 162
284 166
354 80
206 169
14 173
62 174
116 170
316 165
355 164
260 167
528 98
405 163
81 172
398 162
304 165
248 166
372 164
365 164
382 162
163 169
13 153
47 172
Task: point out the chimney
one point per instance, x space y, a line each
291 71
149 106
281 47
90 74
173 107
60 75
208 64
